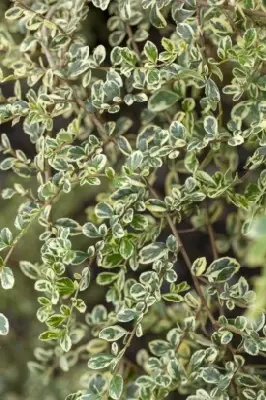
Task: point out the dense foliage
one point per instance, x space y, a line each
176 99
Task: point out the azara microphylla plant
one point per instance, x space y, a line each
147 295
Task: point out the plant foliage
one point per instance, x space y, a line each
144 108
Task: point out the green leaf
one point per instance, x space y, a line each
156 17
116 387
14 13
4 325
185 31
124 146
128 56
248 380
112 260
251 346
159 347
95 346
250 37
205 178
125 9
172 243
225 44
177 130
226 337
91 231
222 270
134 160
199 266
77 68
212 91
162 100
118 230
28 269
104 210
138 291
112 333
76 153
153 78
257 322
102 4
174 297
100 361
126 315
197 358
151 52
99 54
7 277
55 320
211 375
65 286
257 228
211 125
85 279
155 205
49 335
152 252
6 238
73 226
65 342
79 257
220 25
106 278
80 306
126 248
139 222
201 393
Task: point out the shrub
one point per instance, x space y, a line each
165 126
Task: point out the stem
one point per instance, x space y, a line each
93 117
128 343
12 247
206 161
201 37
74 298
22 5
132 40
211 236
188 230
44 29
9 254
185 257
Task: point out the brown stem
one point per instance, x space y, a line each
128 343
22 5
185 257
211 236
201 37
132 40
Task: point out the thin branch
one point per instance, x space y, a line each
185 257
128 343
132 40
232 22
44 29
201 37
27 8
188 230
17 239
211 235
